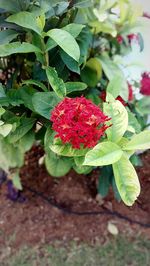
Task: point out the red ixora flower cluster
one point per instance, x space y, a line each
145 84
79 122
119 98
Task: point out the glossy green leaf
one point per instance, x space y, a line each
104 153
74 29
18 47
56 83
119 120
66 41
140 141
44 102
126 180
25 19
75 86
70 62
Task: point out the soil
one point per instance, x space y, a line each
36 221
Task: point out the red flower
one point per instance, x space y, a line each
145 84
79 122
133 37
120 39
119 98
130 97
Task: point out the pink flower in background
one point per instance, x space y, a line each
79 122
145 84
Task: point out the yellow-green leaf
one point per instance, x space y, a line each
104 153
126 180
119 120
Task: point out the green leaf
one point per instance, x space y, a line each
12 155
25 125
16 180
57 165
133 122
74 29
114 86
50 45
2 91
143 105
79 168
111 70
75 86
7 36
44 102
104 180
12 6
25 19
104 153
82 169
56 83
66 41
70 62
5 129
105 26
26 94
36 83
140 141
126 180
92 72
18 47
41 21
27 141
59 148
2 111
119 120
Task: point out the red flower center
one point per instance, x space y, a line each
79 122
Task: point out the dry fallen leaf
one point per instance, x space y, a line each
112 229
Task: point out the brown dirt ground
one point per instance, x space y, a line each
36 221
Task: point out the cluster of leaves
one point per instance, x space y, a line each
65 49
